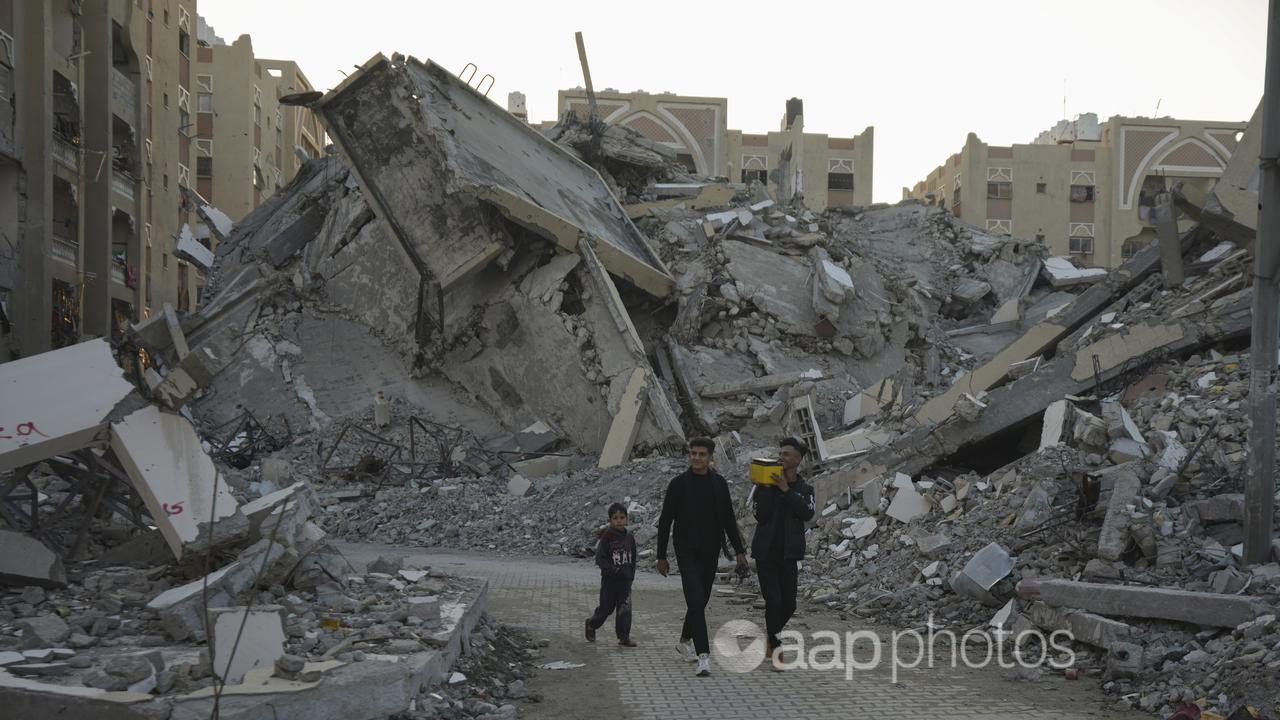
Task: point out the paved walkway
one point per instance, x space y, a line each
551 597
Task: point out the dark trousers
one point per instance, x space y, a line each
697 576
615 595
778 581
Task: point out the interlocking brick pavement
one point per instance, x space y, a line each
552 596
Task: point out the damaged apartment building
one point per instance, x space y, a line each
1083 188
459 312
825 170
106 131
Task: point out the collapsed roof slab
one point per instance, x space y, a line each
1046 334
57 402
177 480
414 133
1022 400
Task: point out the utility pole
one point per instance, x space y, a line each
1260 486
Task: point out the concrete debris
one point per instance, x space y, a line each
1197 608
24 560
256 636
1062 273
57 402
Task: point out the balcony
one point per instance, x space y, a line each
65 251
66 154
123 184
117 274
124 97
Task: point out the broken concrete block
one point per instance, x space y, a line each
908 505
1055 420
1061 273
1228 507
858 528
425 607
43 631
970 407
57 402
760 384
195 370
1196 608
176 479
260 643
25 560
543 466
180 608
518 485
934 546
1115 527
987 567
1125 450
537 437
875 398
626 422
387 564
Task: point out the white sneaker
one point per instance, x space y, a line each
686 651
704 666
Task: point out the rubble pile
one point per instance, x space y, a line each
1136 482
488 681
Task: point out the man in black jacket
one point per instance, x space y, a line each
698 502
781 512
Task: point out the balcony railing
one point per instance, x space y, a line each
65 251
123 185
124 97
65 153
117 274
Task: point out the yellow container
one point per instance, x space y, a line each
762 469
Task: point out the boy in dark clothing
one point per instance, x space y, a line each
781 512
616 556
697 501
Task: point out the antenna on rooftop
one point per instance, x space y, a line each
1157 112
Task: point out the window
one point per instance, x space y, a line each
1129 249
164 260
1081 245
1000 190
166 181
204 167
257 115
1040 188
839 181
1081 193
760 176
204 103
184 43
166 22
1039 237
184 122
166 100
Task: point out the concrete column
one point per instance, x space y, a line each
96 317
33 301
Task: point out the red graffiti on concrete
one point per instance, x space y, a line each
23 429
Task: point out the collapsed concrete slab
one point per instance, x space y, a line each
244 639
1026 398
57 402
465 143
24 560
1197 608
177 480
1115 527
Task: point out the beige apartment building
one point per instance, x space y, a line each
825 170
92 150
1085 189
248 145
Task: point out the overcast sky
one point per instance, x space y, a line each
924 73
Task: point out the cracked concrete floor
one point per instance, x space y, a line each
551 597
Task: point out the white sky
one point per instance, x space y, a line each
923 72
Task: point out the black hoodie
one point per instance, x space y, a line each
781 519
616 554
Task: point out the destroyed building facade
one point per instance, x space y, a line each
1084 189
826 170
